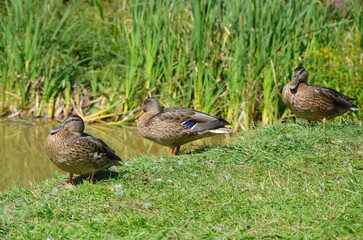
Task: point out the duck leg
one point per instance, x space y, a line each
70 179
324 122
177 150
92 177
174 150
171 151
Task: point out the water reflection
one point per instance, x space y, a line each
23 158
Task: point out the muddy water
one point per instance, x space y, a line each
23 159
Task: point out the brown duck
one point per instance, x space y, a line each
314 103
76 152
175 126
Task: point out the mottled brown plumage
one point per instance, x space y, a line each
176 126
314 103
76 152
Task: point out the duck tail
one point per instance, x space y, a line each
221 131
353 107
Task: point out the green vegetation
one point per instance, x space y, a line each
100 59
285 181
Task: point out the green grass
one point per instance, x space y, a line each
285 181
231 59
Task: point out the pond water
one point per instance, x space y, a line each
23 159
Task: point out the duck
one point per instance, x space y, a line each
76 152
175 126
314 103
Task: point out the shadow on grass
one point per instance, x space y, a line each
201 149
336 122
100 175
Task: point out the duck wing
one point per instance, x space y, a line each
194 120
337 98
98 147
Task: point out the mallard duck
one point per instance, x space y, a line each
77 152
314 103
175 126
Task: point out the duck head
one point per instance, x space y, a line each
300 76
72 123
151 106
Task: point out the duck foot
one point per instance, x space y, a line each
67 185
174 150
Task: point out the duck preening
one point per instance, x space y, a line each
175 126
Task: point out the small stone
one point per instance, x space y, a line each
113 169
55 191
147 205
220 228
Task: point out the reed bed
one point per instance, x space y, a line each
100 59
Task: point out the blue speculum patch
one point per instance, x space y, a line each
189 123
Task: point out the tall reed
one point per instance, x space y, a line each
34 71
102 58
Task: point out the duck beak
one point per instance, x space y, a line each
57 129
294 84
138 115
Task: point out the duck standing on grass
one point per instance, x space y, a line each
76 152
175 126
314 103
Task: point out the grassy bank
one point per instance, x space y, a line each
100 59
284 181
